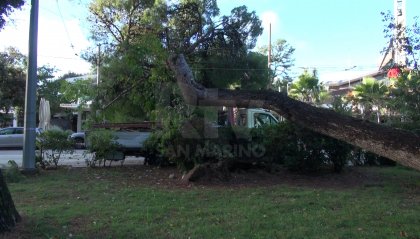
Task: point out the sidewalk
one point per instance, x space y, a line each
77 159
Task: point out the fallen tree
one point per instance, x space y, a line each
396 144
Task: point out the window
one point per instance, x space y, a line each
7 131
261 119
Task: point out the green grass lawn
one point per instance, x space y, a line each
127 203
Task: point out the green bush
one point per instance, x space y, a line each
303 151
12 173
337 153
102 143
279 142
187 152
156 146
197 142
286 144
300 149
52 144
371 159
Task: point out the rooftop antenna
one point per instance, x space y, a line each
269 47
395 53
400 21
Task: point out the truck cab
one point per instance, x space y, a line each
249 118
259 117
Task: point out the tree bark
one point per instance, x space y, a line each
8 213
396 144
207 172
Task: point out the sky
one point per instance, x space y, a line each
62 34
342 39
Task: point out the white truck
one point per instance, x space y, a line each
249 118
131 136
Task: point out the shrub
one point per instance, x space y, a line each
156 146
362 157
198 142
306 153
53 143
12 173
295 147
279 141
337 153
102 143
300 149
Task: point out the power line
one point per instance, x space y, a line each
49 10
65 28
229 69
331 68
60 57
339 67
320 68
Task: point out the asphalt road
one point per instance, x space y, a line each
76 159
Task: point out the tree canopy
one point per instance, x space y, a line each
12 79
138 36
308 88
6 8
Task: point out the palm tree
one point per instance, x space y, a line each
308 89
371 95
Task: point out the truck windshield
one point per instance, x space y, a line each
263 119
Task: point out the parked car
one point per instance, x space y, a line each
12 137
79 140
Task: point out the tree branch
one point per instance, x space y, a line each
398 145
126 91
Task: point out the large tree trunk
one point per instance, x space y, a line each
8 213
398 145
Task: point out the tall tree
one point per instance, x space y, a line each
48 87
281 61
130 35
404 98
12 79
404 92
7 7
117 22
308 88
142 33
78 91
224 49
372 96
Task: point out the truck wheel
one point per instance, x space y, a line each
79 143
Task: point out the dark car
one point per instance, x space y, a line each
79 140
12 137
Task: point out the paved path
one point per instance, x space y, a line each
77 159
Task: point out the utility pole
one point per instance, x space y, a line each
28 161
